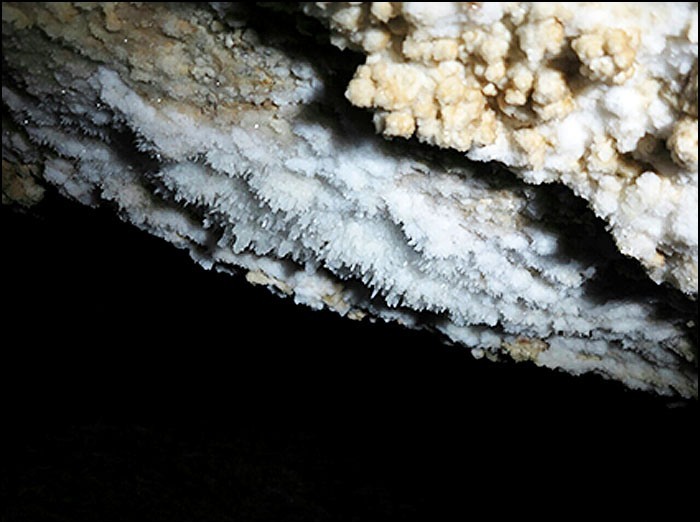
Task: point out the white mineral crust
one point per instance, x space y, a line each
237 145
602 97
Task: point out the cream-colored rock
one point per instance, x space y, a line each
556 81
683 143
607 54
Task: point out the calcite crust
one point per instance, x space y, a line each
232 139
601 97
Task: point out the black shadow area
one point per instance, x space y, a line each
138 386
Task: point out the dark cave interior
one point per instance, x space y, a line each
142 387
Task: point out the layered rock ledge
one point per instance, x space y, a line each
224 130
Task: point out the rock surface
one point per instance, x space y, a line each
216 130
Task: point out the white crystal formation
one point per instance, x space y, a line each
236 144
602 97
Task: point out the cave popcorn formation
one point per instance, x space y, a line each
231 138
602 97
